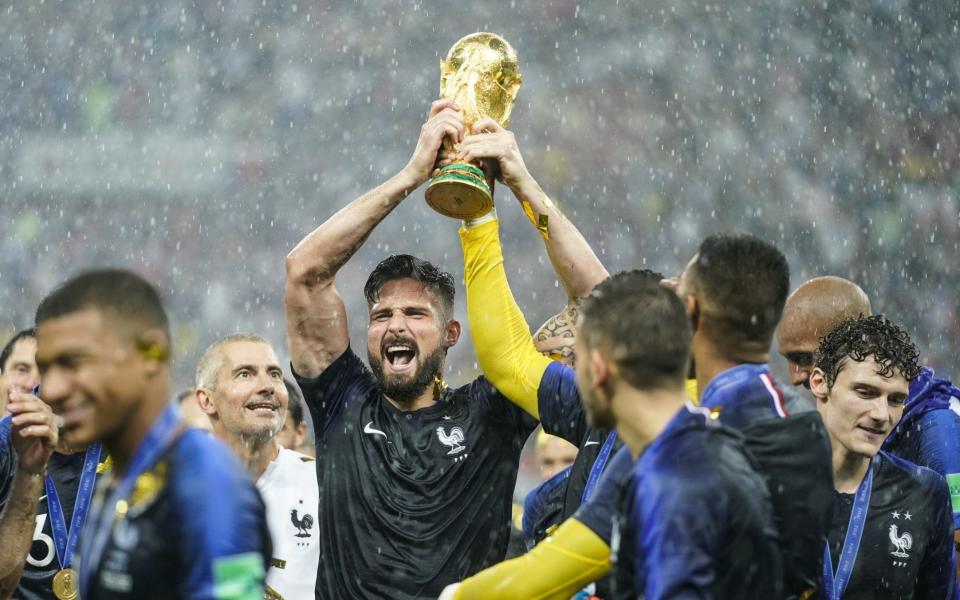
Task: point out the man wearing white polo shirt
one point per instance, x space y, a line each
240 386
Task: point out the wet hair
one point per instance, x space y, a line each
863 337
644 274
643 325
295 405
130 299
405 266
744 282
212 359
8 348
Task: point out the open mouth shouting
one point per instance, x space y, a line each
399 356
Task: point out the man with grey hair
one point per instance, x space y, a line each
240 386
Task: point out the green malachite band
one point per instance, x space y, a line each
444 177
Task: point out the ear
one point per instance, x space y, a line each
154 349
451 334
205 400
692 305
599 368
818 385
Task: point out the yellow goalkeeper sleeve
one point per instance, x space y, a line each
501 337
557 568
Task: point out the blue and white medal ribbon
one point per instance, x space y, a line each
163 433
835 585
598 465
65 541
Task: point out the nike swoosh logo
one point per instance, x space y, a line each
368 429
590 444
40 499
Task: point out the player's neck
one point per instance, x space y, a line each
426 399
710 360
259 459
643 415
121 446
849 469
63 448
255 452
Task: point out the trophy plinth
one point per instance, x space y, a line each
481 74
460 191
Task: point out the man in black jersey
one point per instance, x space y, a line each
892 531
415 478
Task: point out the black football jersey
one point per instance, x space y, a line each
906 550
409 501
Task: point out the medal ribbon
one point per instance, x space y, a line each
65 542
834 586
597 470
163 433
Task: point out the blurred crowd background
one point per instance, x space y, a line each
198 141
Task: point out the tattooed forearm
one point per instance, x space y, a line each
556 338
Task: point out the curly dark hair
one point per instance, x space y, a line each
876 336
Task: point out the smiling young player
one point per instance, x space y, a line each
892 529
176 517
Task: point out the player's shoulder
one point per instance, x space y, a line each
941 418
345 369
5 424
296 461
204 469
909 475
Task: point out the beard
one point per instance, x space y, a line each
407 388
600 417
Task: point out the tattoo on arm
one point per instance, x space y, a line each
559 331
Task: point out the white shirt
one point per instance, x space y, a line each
289 490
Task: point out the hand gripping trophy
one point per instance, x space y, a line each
481 74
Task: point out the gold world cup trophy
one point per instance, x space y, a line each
482 75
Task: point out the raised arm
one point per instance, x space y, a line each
316 317
573 260
29 440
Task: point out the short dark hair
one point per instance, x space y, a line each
645 327
405 266
857 339
295 405
8 348
745 282
122 294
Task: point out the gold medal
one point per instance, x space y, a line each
65 584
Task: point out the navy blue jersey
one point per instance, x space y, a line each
928 434
410 501
195 529
41 564
542 508
748 393
907 546
562 415
696 520
737 398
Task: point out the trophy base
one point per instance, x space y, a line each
460 191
